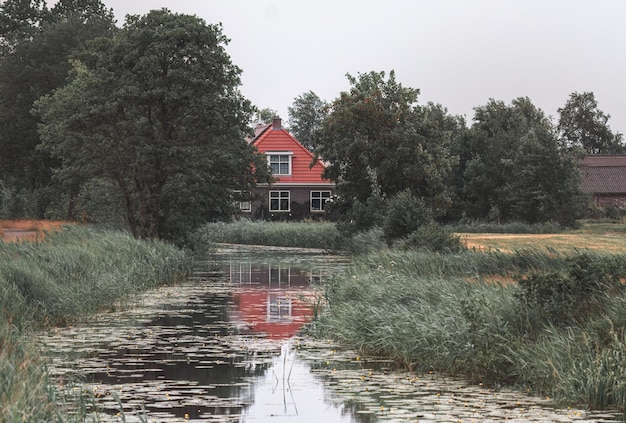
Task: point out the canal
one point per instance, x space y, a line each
226 346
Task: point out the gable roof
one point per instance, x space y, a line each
273 138
604 174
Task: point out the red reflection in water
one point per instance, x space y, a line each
273 299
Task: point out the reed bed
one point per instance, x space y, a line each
80 270
319 235
279 234
442 312
74 272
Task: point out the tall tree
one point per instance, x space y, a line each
582 125
156 109
512 169
19 22
306 117
379 143
35 64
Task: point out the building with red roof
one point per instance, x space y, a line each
604 177
298 188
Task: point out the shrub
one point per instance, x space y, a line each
405 215
432 237
562 299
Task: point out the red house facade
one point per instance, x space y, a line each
298 189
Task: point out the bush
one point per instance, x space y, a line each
564 299
432 237
405 215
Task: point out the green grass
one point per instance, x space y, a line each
278 234
74 272
444 313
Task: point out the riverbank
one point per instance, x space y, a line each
556 328
540 312
73 272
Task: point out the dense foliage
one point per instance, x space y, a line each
306 117
512 169
144 127
155 109
35 43
583 126
378 143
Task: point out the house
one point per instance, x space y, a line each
604 177
274 299
298 189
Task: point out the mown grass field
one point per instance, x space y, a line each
596 237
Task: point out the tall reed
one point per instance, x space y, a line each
81 270
24 390
71 273
444 312
280 234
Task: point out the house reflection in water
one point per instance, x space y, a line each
272 299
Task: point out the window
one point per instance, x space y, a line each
279 201
280 163
242 203
278 307
319 200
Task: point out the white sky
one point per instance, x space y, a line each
459 53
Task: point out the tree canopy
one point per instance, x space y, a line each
156 109
379 143
512 169
34 62
305 118
583 126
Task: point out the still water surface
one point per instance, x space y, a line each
222 347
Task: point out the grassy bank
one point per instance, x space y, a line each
557 327
277 234
74 272
322 235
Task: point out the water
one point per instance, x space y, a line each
221 348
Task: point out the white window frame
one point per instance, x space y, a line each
280 196
322 199
244 206
281 160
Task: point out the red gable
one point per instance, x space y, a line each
273 140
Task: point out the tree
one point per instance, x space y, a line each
582 125
34 63
156 109
512 169
265 115
306 116
379 142
19 22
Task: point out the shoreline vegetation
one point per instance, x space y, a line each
542 312
544 317
75 271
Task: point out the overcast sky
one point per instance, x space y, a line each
459 53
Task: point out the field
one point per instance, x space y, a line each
595 237
26 230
